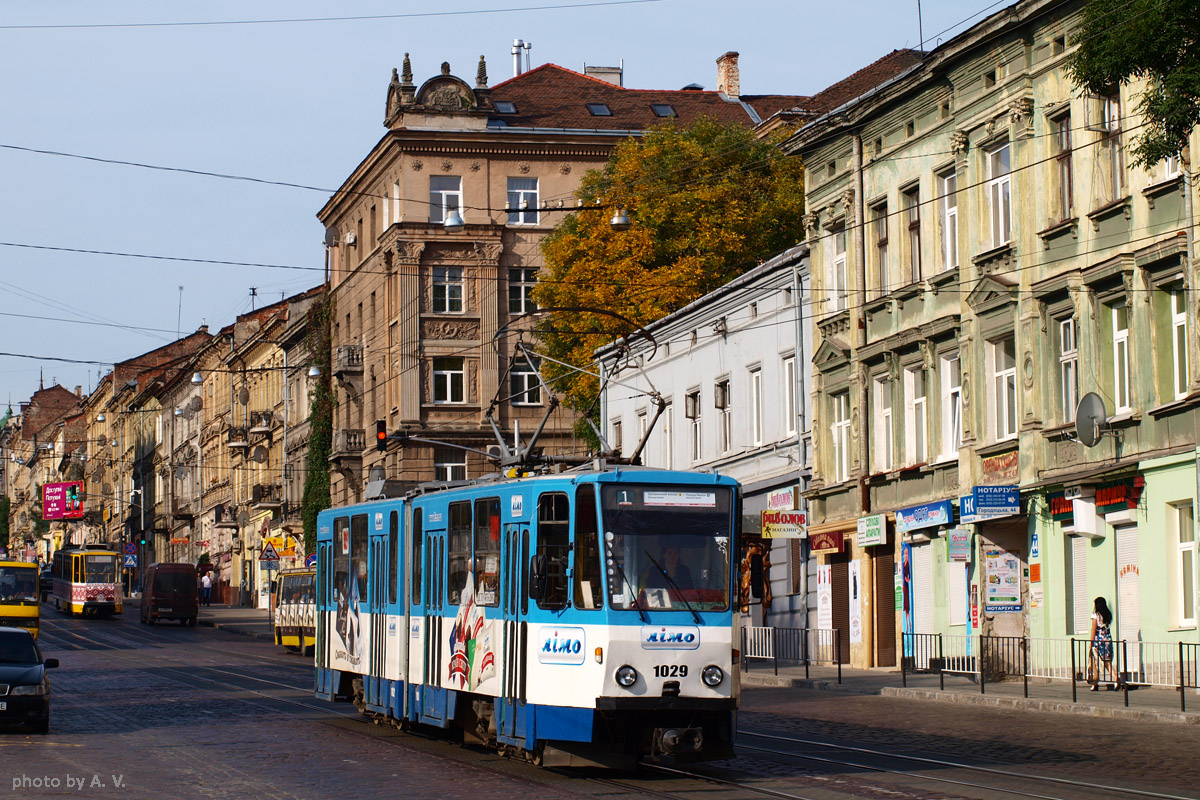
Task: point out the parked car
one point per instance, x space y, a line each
23 675
46 582
169 592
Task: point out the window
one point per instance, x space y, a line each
1061 146
789 394
837 269
668 435
839 431
722 402
692 409
445 195
417 538
487 551
883 425
641 425
449 464
949 212
1003 354
505 107
554 545
524 389
1182 518
912 216
756 405
589 579
617 432
449 379
1120 352
916 416
447 290
1114 152
458 547
599 109
999 191
521 281
1179 342
522 201
1068 366
663 110
358 559
879 226
1171 167
341 558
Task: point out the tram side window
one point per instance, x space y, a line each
417 536
393 554
358 553
460 549
76 569
554 543
487 551
588 574
341 559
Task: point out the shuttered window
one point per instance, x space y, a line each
922 566
1080 611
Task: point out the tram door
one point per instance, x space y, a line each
514 604
374 688
433 696
324 677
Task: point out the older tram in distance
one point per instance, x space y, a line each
296 609
87 581
581 617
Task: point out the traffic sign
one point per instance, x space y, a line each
130 548
269 566
310 560
268 553
130 560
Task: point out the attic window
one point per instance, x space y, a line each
989 79
1058 45
505 107
497 123
599 109
663 110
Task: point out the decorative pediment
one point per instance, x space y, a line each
831 354
446 92
991 293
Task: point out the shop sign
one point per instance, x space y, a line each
992 502
1119 495
1003 592
966 510
1036 597
826 542
784 524
1062 508
179 541
855 603
872 531
1000 468
1035 572
782 499
929 515
959 540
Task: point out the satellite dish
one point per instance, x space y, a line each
243 518
181 472
1091 419
106 489
260 454
197 403
243 395
102 440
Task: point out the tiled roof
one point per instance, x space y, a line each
550 96
863 81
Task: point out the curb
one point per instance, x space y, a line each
768 681
1049 706
235 628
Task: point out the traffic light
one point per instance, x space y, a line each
143 540
381 435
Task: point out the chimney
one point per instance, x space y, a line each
79 391
613 75
728 81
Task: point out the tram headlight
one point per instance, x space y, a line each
712 675
626 676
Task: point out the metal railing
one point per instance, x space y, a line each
792 646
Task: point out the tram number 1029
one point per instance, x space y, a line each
670 671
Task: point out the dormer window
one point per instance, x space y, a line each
505 107
663 110
599 109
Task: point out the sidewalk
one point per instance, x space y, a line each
1145 703
250 622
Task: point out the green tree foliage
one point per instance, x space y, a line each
320 420
707 201
1154 40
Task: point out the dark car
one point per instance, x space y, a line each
170 593
46 580
24 687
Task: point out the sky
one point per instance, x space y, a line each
298 102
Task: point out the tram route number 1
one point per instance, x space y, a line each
670 670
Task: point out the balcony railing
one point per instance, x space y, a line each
182 508
348 443
261 422
348 360
266 495
238 437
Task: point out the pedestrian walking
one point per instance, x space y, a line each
1102 646
206 589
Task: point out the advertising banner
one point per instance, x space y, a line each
1003 592
826 542
62 500
929 515
959 542
784 524
855 604
872 531
825 597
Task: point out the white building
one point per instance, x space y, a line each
735 403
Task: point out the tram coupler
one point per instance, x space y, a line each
678 741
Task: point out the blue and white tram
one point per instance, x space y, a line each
574 618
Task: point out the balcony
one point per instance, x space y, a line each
348 360
238 438
348 446
225 517
182 509
266 496
260 422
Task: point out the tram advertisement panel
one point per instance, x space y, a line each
472 646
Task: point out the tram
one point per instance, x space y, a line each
87 581
296 609
20 604
584 617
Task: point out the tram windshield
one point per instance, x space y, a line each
667 548
18 585
297 589
100 569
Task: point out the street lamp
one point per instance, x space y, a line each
454 221
620 220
